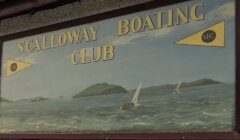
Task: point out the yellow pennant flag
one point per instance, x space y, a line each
213 36
14 66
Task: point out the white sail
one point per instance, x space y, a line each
177 90
136 95
179 84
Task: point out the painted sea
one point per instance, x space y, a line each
201 108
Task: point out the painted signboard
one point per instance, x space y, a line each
167 69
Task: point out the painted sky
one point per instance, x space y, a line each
150 56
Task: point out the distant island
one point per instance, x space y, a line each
37 99
101 89
107 89
3 100
201 82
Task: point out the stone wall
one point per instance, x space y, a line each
66 12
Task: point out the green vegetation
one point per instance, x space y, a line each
201 82
101 89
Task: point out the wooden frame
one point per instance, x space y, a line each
150 5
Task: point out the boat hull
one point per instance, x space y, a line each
126 106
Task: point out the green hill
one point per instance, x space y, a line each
200 82
101 89
36 99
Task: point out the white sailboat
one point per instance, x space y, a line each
134 103
136 95
177 89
